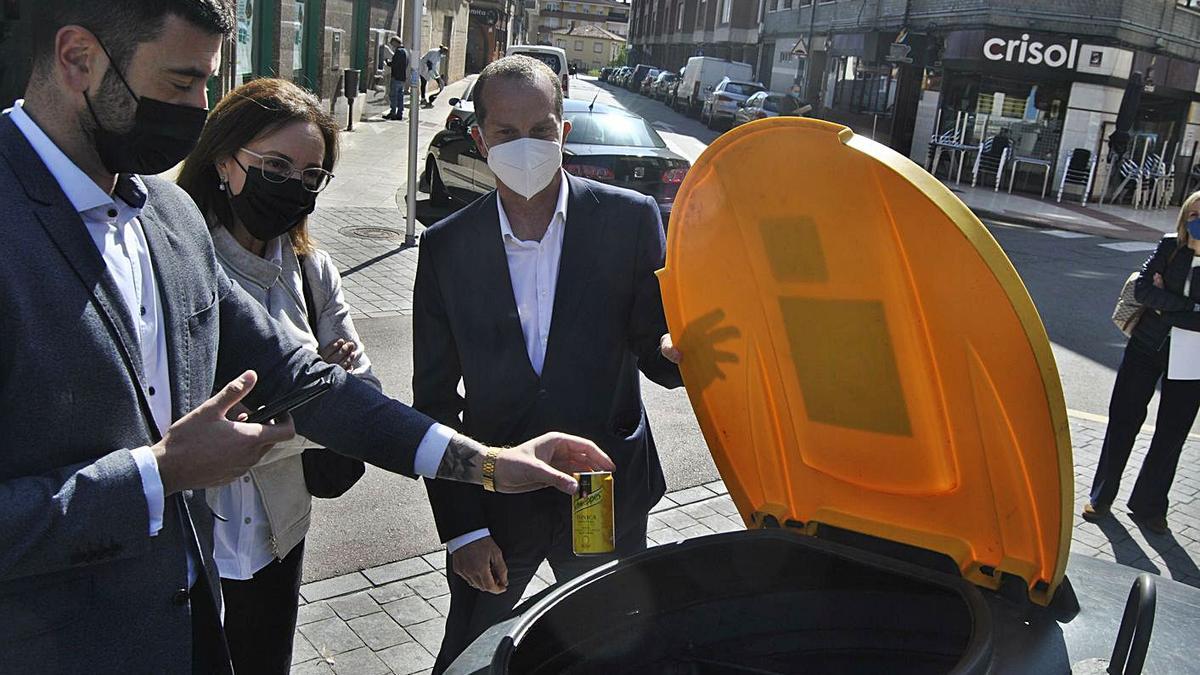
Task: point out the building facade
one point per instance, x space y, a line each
558 15
588 46
1051 78
310 42
666 33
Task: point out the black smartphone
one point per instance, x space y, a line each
291 401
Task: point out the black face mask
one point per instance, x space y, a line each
162 135
268 209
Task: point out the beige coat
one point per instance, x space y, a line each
279 476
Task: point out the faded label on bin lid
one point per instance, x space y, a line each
860 353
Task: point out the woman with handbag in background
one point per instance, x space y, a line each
1168 290
265 154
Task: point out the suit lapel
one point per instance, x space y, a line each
66 229
173 293
582 237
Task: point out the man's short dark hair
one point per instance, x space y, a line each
517 68
125 24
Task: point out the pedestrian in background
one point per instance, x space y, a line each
266 153
542 299
398 82
431 69
1169 288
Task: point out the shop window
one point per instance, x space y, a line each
863 88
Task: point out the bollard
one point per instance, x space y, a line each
350 85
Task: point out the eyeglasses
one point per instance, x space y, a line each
278 170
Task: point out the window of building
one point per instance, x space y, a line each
679 13
579 45
774 6
1193 4
787 4
561 44
700 12
727 10
597 48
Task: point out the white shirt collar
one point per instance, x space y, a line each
560 209
81 190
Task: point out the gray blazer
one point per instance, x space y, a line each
83 588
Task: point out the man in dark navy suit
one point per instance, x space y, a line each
541 298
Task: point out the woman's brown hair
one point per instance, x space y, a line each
253 110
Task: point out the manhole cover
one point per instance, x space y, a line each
372 232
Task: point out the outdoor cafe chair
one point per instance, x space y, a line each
991 158
1081 168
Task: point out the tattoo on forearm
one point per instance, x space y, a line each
462 461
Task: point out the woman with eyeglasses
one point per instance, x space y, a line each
265 155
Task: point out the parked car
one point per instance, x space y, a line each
722 104
555 57
702 75
604 73
766 104
461 107
662 85
639 73
646 87
606 144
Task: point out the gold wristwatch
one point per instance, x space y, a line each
489 469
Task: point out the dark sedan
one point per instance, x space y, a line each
606 144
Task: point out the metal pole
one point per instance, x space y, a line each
414 20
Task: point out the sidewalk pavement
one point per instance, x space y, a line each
390 618
360 217
1116 221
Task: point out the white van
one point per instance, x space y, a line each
555 57
701 75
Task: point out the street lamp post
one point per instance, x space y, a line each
414 22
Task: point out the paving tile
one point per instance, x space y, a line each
437 560
667 536
698 510
391 592
407 658
429 585
429 633
378 631
331 636
696 530
724 506
314 667
301 650
690 495
717 487
329 588
360 662
354 605
676 519
664 504
410 611
719 523
441 604
313 611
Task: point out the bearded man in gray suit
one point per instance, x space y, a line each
117 327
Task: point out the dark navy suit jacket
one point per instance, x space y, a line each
606 324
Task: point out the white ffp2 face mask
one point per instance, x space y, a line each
525 165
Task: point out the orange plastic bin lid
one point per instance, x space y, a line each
860 353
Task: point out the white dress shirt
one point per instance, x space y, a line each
242 542
533 269
114 227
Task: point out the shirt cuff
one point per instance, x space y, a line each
432 448
147 467
464 539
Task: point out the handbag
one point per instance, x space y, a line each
1128 311
326 474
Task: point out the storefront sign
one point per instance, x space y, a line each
1032 52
